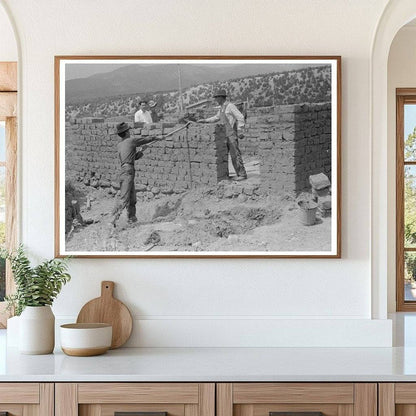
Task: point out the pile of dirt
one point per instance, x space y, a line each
198 220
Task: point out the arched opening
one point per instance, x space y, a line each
8 149
401 110
383 213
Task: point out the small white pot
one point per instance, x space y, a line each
86 339
37 330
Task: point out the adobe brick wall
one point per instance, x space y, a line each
196 155
309 140
291 142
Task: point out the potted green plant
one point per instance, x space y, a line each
36 289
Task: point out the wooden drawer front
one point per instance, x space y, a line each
110 409
293 393
405 393
331 399
397 399
138 393
104 399
19 393
27 399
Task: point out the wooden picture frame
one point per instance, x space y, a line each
194 202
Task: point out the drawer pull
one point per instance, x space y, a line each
296 414
139 414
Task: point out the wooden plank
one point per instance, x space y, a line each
386 400
345 410
252 393
11 195
31 410
138 393
90 410
247 410
171 409
190 410
47 399
66 399
406 92
57 159
224 399
365 403
23 393
405 393
399 203
8 105
207 399
8 76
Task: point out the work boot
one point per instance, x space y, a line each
132 220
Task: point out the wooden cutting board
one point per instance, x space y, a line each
107 309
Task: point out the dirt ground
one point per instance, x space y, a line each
200 220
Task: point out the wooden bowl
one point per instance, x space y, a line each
84 340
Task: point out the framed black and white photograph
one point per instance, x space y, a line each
198 156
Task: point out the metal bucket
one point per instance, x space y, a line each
307 212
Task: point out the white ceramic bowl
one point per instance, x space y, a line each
83 340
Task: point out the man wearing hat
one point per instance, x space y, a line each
233 121
153 113
143 115
127 155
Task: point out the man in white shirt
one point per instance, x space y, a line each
233 121
143 115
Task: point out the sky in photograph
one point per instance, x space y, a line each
75 71
85 70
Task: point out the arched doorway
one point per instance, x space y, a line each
8 149
396 15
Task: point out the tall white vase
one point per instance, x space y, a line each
37 330
13 332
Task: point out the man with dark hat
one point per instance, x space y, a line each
143 115
127 155
233 121
156 117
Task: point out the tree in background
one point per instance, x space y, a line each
410 206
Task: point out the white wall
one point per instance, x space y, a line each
401 74
182 300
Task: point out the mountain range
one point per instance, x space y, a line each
146 78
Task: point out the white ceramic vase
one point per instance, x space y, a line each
13 331
37 330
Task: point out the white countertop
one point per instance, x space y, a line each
213 364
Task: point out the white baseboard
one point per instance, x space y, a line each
254 332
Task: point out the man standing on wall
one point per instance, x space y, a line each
127 155
233 121
143 115
156 117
